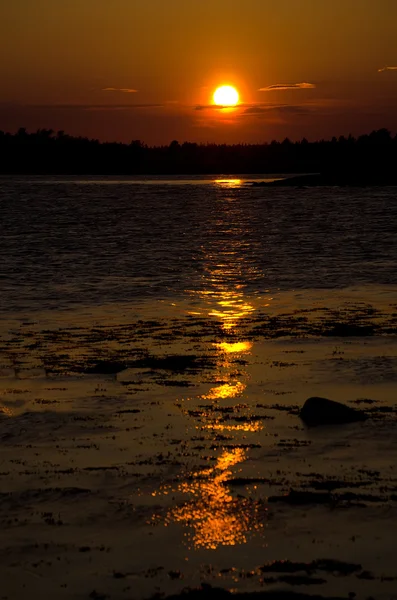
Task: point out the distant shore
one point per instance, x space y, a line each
344 179
46 152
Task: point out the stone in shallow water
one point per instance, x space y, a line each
321 411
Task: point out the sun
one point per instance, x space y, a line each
226 95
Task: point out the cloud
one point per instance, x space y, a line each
387 69
220 107
208 107
255 110
295 110
123 90
246 109
288 86
265 109
262 109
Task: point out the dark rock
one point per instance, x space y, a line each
321 411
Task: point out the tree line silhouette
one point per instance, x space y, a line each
49 152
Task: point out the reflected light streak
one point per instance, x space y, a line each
227 390
233 307
249 426
215 516
235 347
229 183
212 515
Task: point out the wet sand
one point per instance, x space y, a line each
152 450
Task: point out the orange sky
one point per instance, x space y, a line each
59 56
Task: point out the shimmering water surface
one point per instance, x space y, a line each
157 339
72 243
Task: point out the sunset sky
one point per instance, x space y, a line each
147 69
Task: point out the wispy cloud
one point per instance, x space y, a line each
220 107
387 69
288 86
262 109
244 108
123 90
255 110
212 107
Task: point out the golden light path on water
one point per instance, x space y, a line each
229 307
248 427
234 347
229 183
226 390
213 516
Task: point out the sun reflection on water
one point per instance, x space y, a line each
226 390
229 183
230 307
230 316
214 516
234 347
248 426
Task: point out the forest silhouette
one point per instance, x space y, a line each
48 152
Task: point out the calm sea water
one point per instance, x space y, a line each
70 243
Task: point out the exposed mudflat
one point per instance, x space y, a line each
164 452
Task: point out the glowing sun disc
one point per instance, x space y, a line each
226 95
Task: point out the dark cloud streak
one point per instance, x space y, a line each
288 86
123 90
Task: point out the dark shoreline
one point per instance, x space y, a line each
343 180
45 151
